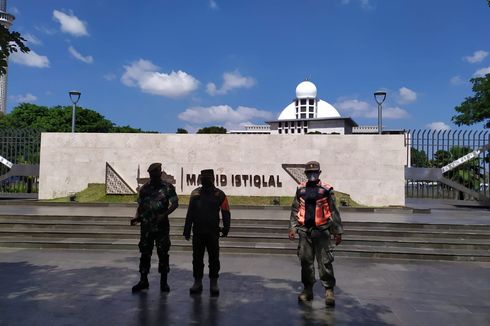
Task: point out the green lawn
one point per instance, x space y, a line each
95 193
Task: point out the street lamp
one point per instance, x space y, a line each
74 97
380 97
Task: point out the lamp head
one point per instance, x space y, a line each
74 96
380 97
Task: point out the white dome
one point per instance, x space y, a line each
306 89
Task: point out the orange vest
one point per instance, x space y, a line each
322 210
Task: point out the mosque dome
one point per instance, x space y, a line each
306 89
307 105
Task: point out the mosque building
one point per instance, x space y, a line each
306 114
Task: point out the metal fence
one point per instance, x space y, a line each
440 149
22 148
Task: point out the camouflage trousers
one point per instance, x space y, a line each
316 243
147 241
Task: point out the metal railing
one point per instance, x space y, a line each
436 149
22 148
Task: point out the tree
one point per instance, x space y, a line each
212 130
182 131
58 119
477 107
10 42
418 158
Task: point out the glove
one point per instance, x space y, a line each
133 221
292 234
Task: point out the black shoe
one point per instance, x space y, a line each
196 287
142 285
163 283
213 288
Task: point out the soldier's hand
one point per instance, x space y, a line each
187 236
338 239
292 234
133 221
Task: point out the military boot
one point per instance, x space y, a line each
142 284
329 297
213 287
307 294
163 283
196 287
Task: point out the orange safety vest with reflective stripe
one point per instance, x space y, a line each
322 210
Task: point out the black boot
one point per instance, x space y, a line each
142 284
213 287
163 283
196 287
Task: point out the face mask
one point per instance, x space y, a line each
312 176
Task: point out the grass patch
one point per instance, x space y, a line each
95 193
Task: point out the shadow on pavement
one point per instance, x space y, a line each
50 295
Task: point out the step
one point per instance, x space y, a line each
262 248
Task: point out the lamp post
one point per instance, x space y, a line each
380 97
74 97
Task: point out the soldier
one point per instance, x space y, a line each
156 201
203 217
314 216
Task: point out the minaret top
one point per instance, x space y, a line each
3 5
6 19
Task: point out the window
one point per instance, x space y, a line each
296 102
311 116
305 130
286 124
298 131
312 101
303 102
292 131
311 109
280 124
280 131
303 109
305 123
285 131
303 116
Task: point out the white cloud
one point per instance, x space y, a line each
439 125
456 80
144 74
77 55
406 95
224 115
394 113
70 23
31 59
477 57
482 72
364 3
27 98
231 80
362 109
45 30
32 39
213 5
110 77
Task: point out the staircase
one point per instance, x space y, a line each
253 235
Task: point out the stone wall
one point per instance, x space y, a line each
368 167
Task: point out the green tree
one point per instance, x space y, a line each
212 130
58 119
475 108
10 42
418 158
182 131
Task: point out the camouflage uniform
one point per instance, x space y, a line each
314 240
153 202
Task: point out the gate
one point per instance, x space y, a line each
19 163
448 164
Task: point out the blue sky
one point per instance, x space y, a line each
162 65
